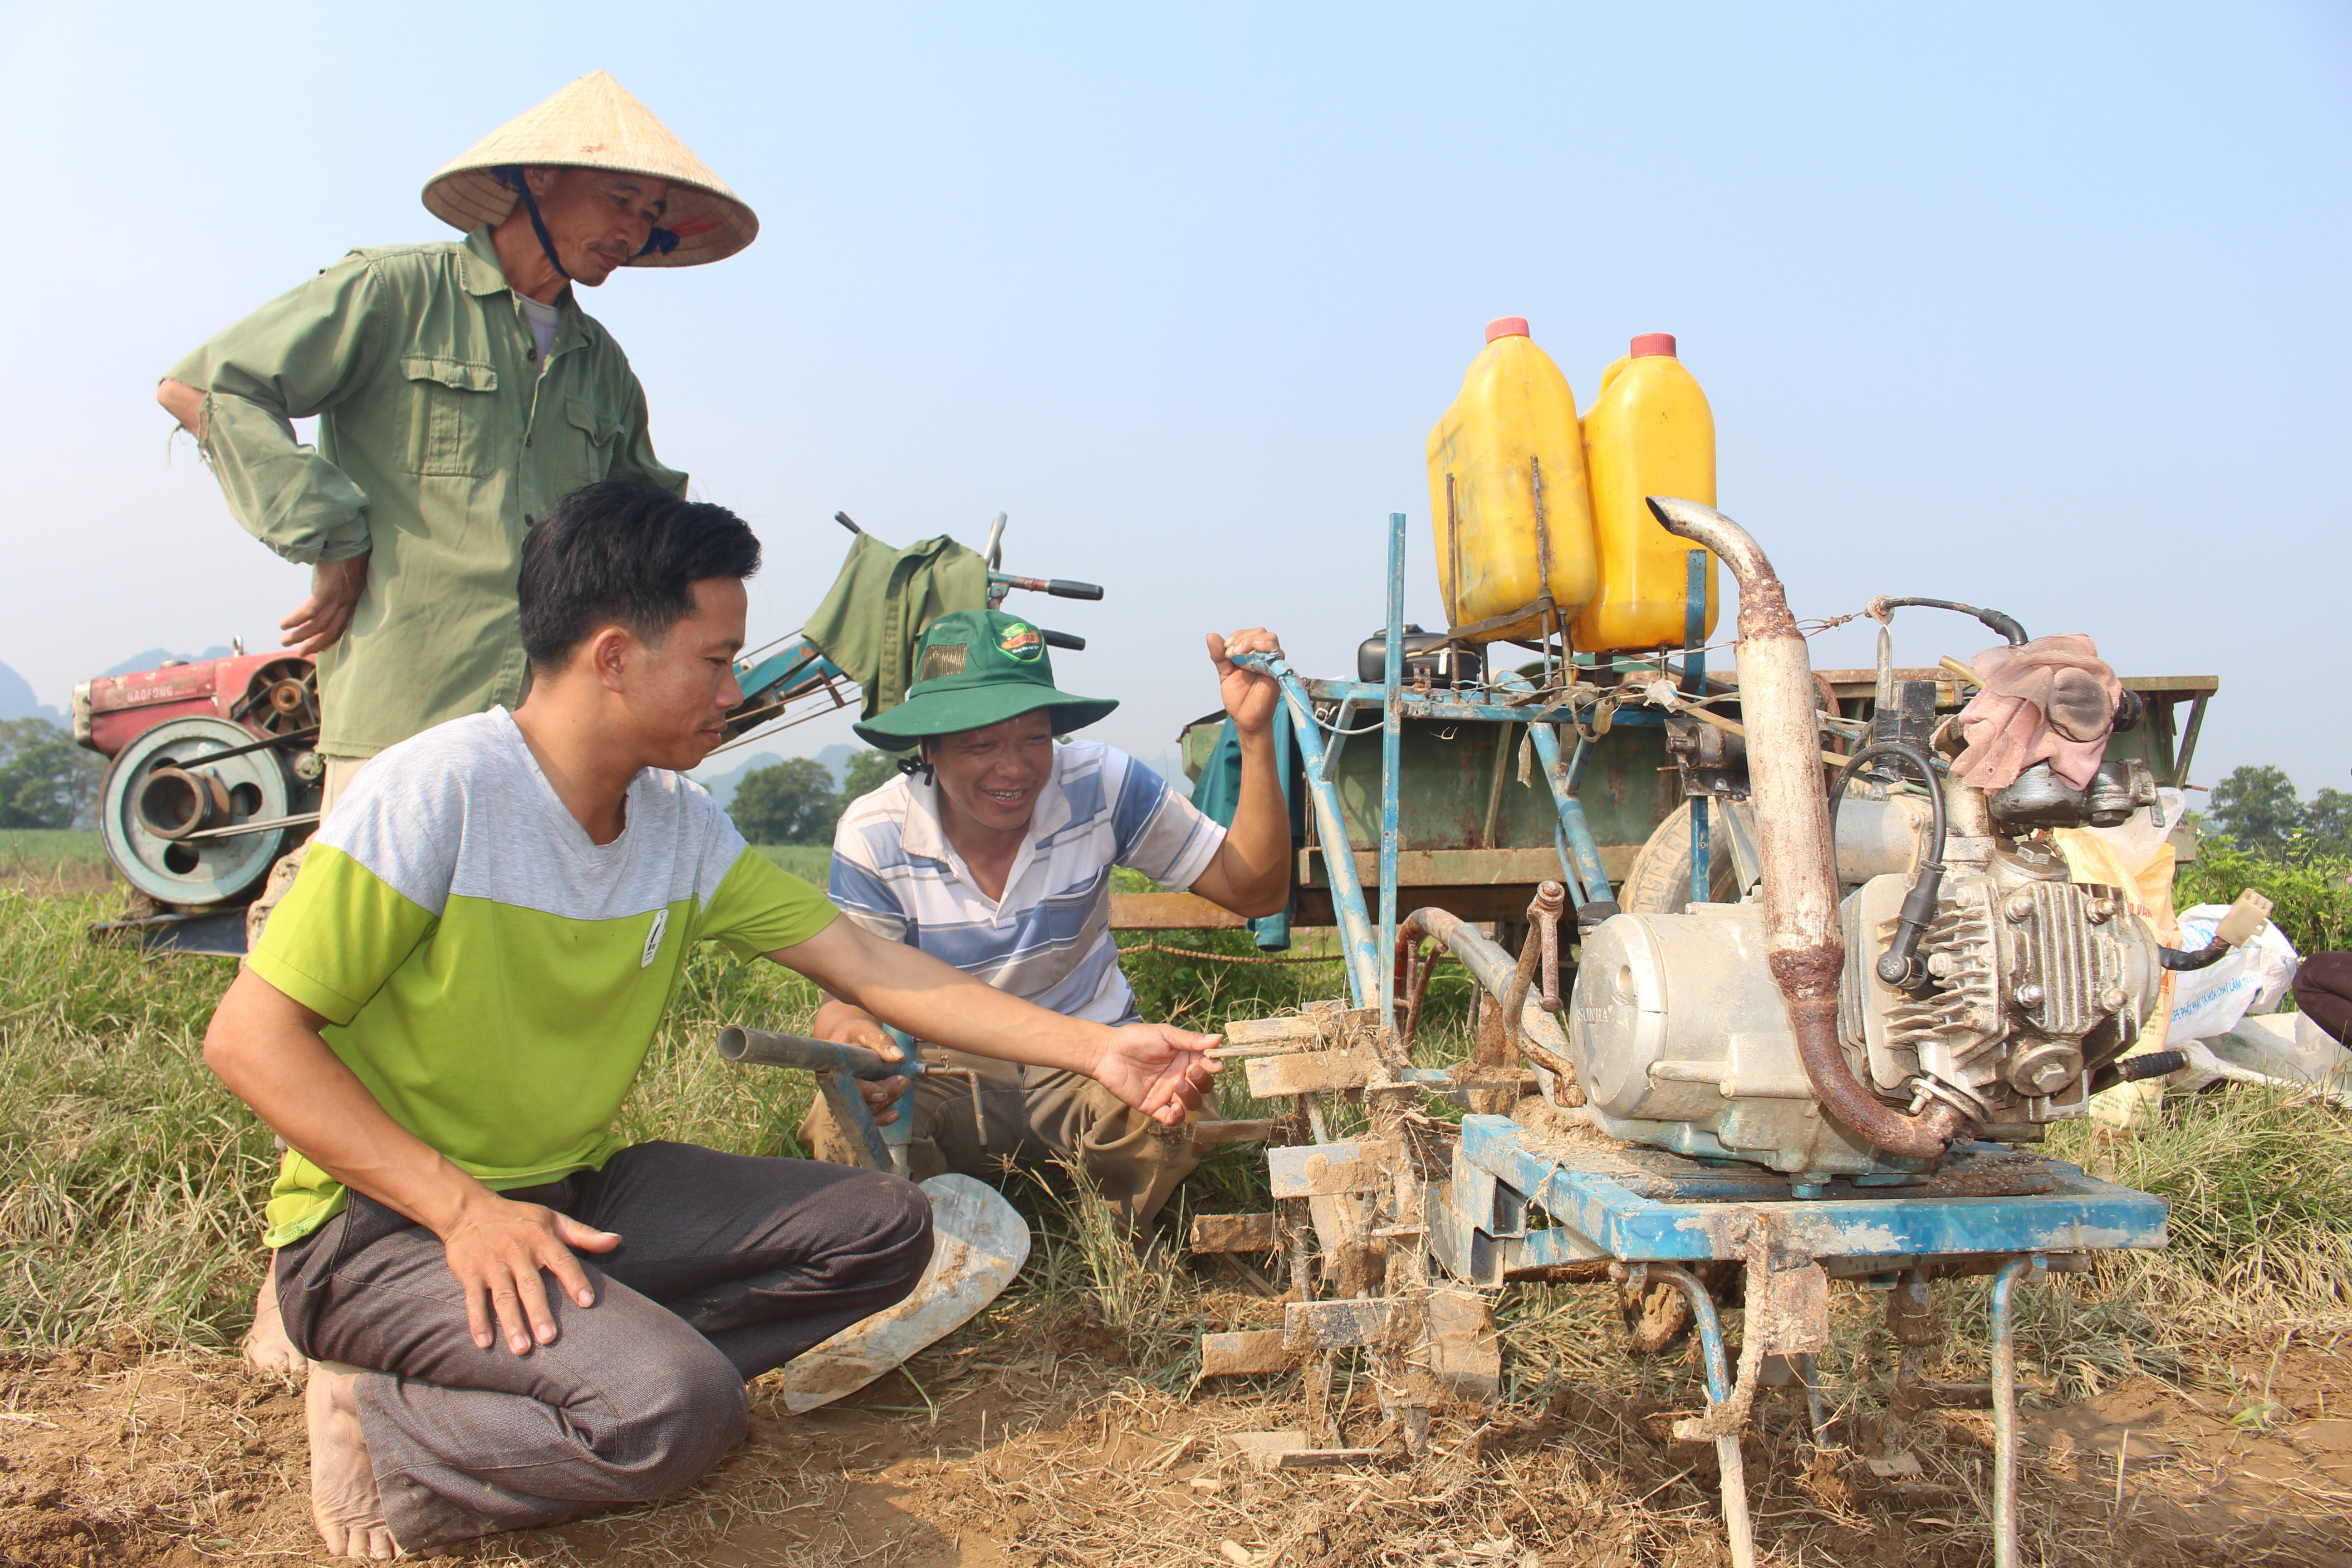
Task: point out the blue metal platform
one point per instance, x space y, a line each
1604 1201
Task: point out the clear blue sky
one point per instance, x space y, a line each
2040 307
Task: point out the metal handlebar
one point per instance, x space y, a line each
1059 587
760 1047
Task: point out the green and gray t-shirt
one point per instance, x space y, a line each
492 975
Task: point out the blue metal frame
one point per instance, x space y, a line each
1391 768
1579 856
1444 705
800 664
1694 683
1357 937
1597 1216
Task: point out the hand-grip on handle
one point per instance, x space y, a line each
764 1048
1058 587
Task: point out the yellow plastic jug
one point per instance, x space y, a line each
1648 433
1506 491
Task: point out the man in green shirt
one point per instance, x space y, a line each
514 1319
460 391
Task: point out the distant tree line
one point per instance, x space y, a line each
794 802
47 781
2258 811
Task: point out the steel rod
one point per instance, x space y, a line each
1693 679
1583 862
2004 1412
1356 933
1392 760
1698 866
1539 1036
1739 1534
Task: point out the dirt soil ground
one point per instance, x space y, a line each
1030 1445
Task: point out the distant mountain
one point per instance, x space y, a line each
16 700
722 785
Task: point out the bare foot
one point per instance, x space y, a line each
343 1500
266 1345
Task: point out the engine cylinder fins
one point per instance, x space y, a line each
162 797
2027 987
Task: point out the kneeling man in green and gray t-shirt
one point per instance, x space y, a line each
447 1009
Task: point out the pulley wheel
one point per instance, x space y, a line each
162 800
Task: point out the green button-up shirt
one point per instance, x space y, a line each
442 435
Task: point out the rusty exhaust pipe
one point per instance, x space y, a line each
1802 939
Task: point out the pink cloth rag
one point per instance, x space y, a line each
2051 699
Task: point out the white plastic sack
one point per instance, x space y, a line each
2254 978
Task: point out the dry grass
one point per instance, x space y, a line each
1065 1425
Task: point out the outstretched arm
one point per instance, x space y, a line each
1251 875
1159 1070
266 1047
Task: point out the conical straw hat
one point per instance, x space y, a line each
595 124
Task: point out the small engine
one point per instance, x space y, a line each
2027 984
213 777
1913 969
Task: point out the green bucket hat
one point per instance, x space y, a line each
974 668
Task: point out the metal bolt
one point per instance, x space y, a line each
2100 911
2028 995
1942 965
2051 1076
2020 907
2111 998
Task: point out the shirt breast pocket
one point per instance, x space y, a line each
453 416
590 441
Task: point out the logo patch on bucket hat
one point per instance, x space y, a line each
942 659
1021 641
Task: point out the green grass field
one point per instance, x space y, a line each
809 862
129 1179
69 853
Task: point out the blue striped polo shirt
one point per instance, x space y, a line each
1048 941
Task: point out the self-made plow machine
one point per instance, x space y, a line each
1834 1071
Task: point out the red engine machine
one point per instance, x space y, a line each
213 779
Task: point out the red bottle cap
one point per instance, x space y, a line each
1654 345
1507 327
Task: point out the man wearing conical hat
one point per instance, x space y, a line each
460 392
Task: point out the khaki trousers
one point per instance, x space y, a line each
984 1117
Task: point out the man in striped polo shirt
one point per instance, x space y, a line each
995 856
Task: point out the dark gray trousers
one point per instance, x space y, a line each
729 1265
